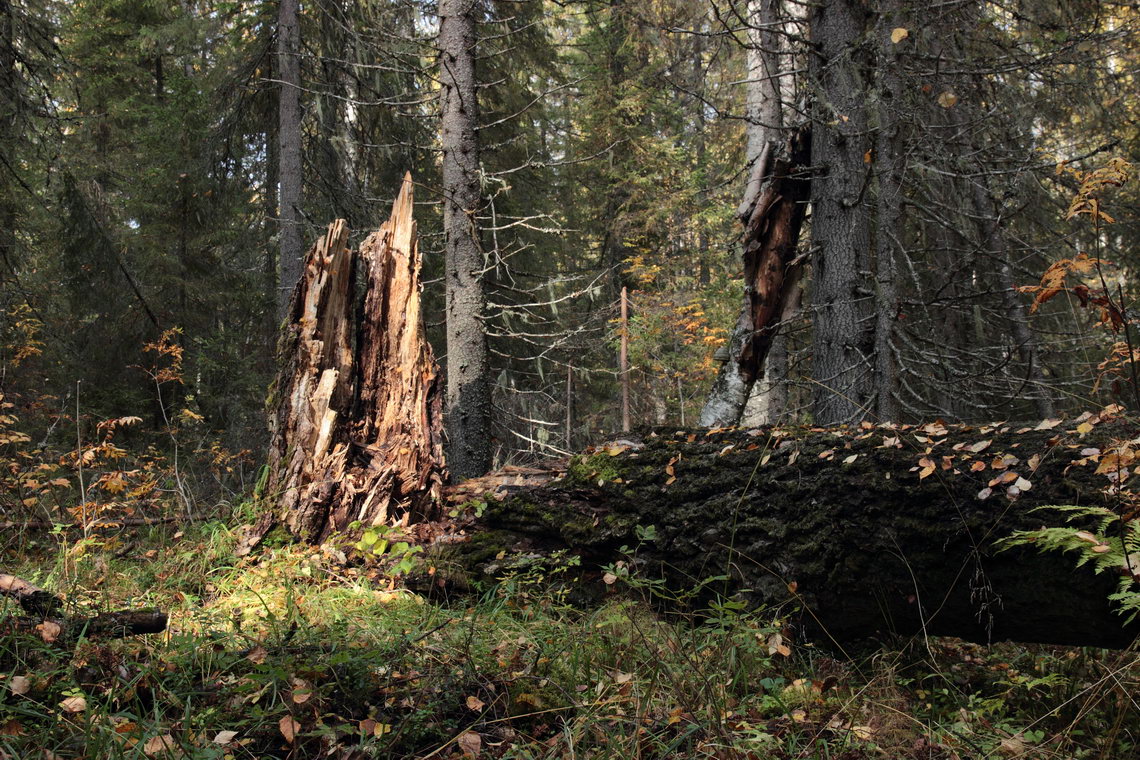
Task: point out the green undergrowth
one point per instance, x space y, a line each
289 654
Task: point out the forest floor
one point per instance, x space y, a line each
288 653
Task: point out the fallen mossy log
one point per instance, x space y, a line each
45 619
888 530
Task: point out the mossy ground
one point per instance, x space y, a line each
353 666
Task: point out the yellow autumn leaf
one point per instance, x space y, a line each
898 34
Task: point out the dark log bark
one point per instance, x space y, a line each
358 426
871 546
45 618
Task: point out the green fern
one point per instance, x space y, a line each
1112 547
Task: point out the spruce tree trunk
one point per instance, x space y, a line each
357 429
889 168
849 527
290 172
841 296
468 364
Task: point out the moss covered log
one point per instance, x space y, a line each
870 531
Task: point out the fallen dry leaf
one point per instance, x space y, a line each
74 704
19 685
302 691
288 728
474 703
49 631
225 737
469 743
157 745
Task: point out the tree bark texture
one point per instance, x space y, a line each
771 272
290 172
842 524
889 166
468 365
841 298
357 431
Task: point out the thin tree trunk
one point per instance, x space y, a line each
887 160
270 262
841 365
9 110
468 364
290 171
989 227
623 360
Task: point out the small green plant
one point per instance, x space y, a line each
375 546
479 506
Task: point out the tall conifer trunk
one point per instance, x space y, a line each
290 172
468 417
841 298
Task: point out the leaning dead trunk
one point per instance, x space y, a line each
772 214
357 427
866 532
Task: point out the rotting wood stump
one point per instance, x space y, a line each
356 425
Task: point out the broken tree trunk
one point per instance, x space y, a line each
772 214
357 428
868 532
45 616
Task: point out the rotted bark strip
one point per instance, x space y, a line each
772 216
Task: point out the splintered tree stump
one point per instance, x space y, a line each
357 427
771 214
